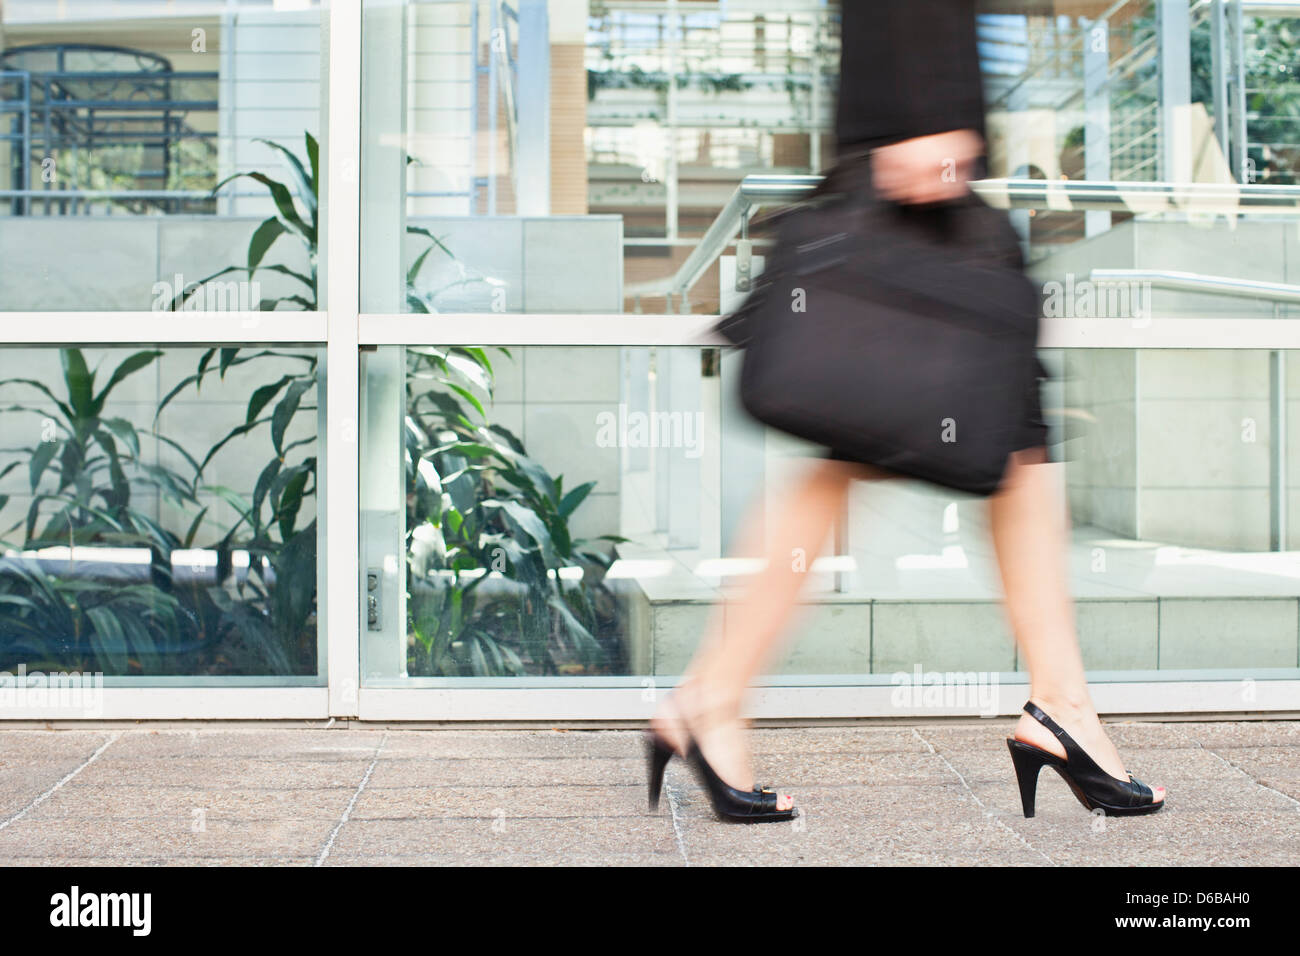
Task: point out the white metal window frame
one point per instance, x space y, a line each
341 329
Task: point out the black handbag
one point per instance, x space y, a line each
899 336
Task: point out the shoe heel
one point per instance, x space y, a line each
657 756
1028 761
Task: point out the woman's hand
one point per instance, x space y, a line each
927 169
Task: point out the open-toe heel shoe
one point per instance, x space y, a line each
1095 788
737 806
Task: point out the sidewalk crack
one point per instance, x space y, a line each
50 792
674 806
1241 770
988 814
347 811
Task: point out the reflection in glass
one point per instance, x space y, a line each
159 511
576 512
499 582
609 157
130 155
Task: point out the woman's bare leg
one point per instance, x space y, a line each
1030 534
744 634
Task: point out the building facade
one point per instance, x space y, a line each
356 358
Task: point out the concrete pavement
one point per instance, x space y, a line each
927 793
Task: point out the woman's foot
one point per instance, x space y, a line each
1083 724
689 713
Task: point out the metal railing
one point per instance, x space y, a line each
1210 285
72 98
753 192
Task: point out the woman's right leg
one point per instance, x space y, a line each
743 634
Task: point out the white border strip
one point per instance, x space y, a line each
491 328
787 703
1180 333
697 330
209 328
191 703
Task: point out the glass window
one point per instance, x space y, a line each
159 155
159 512
605 158
569 507
568 157
578 512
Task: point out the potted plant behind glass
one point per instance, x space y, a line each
482 519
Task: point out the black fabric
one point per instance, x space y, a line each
900 336
1034 431
908 68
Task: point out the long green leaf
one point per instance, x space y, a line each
79 381
283 200
263 238
569 503
183 296
528 521
262 397
301 178
313 157
129 366
40 460
285 410
125 432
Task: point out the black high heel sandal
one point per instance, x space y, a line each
657 755
1094 787
732 805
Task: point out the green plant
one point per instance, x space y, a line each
273 606
1273 111
301 223
87 609
489 548
479 504
83 475
298 216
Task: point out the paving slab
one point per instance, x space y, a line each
125 801
926 793
380 803
220 773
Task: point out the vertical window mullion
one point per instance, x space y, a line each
341 593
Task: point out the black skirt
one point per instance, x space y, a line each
1033 431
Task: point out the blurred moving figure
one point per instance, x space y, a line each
911 94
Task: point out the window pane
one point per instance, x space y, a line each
121 126
159 512
568 156
585 516
601 157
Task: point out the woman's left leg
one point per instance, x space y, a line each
1030 534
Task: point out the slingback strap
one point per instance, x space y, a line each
1036 712
1074 754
